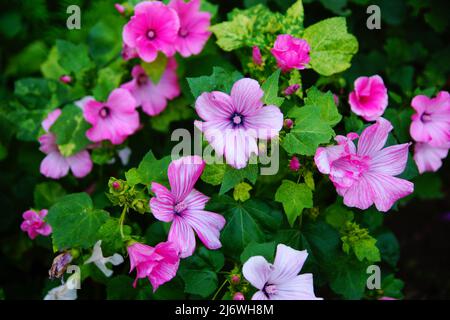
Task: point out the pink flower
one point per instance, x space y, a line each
256 56
431 122
113 120
294 164
365 176
370 98
429 158
184 207
159 264
280 280
234 123
129 53
34 223
193 32
154 27
291 53
120 8
153 97
55 165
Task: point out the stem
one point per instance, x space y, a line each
220 289
122 219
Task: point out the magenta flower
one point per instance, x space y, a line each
294 164
153 97
193 32
113 120
234 123
291 89
431 122
291 53
256 56
154 27
34 223
159 264
429 158
184 207
365 176
280 280
55 165
369 99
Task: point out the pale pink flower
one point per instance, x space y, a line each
194 24
153 97
233 123
280 280
34 223
369 99
429 158
159 264
113 120
366 175
291 53
153 28
431 122
256 56
184 207
55 165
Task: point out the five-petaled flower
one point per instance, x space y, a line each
184 207
233 123
366 175
280 280
34 223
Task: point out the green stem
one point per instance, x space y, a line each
220 289
122 219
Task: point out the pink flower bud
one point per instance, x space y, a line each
238 296
116 185
294 164
235 279
291 89
336 99
120 8
65 79
288 123
256 54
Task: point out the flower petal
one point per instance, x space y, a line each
54 166
374 137
207 225
288 263
299 288
246 95
162 205
391 160
196 200
267 122
257 271
214 105
182 236
240 144
80 164
183 174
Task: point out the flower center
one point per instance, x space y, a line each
151 34
142 79
179 207
270 289
104 112
426 117
237 119
183 33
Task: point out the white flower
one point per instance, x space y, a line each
100 261
66 291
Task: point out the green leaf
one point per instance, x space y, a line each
357 239
51 68
353 123
324 102
149 170
294 197
214 173
37 93
109 78
337 216
120 288
156 68
47 194
366 249
176 110
102 39
428 186
389 248
70 130
112 240
332 48
241 192
75 222
392 287
220 80
349 278
270 88
267 250
308 133
234 176
293 21
73 57
246 222
28 61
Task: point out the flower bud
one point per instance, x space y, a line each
256 55
294 164
291 89
59 265
235 279
238 296
120 8
65 79
288 123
